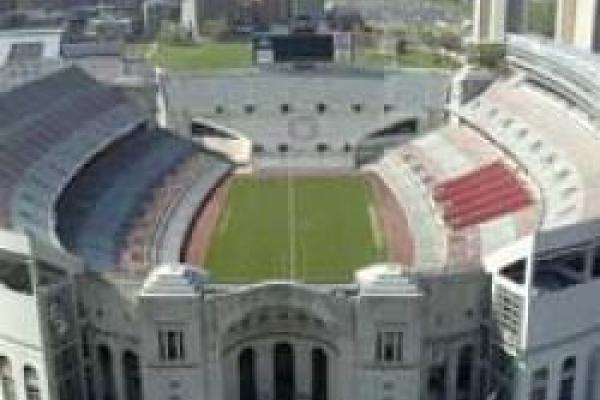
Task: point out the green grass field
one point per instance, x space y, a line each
333 230
189 57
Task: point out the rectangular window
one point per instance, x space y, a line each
540 375
538 394
171 345
388 347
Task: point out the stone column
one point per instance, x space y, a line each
231 365
118 372
303 369
265 382
475 376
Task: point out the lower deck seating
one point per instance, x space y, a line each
481 195
96 211
408 188
156 234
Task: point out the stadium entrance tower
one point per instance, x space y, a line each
577 23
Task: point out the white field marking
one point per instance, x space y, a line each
375 231
225 220
292 226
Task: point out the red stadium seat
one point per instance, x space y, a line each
480 195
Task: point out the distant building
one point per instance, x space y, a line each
108 28
156 12
577 21
19 45
253 13
535 281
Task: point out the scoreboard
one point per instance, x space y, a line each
298 47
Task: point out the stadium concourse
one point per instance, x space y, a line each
498 196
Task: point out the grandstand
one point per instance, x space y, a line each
79 161
549 135
305 113
416 171
110 212
49 127
101 182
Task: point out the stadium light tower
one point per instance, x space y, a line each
577 23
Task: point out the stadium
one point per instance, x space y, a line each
288 234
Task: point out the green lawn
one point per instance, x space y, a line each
333 232
412 58
205 56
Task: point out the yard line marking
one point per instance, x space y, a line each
375 229
292 226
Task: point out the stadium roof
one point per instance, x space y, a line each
48 129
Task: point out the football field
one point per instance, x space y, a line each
311 229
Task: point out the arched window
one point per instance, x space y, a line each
319 374
569 365
8 383
247 371
105 363
567 380
31 382
285 383
131 376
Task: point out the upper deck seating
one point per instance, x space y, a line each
48 128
